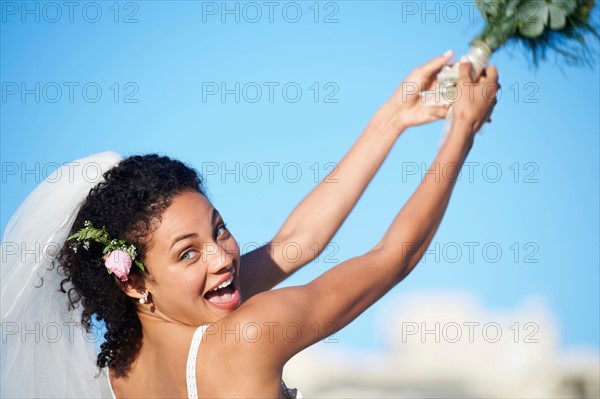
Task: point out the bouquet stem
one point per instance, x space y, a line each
445 90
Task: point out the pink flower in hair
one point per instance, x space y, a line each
118 254
119 262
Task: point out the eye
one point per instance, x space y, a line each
189 254
223 228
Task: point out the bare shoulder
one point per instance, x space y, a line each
254 333
242 347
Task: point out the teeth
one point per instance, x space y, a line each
224 283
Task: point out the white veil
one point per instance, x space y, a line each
45 352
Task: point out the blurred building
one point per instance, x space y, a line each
447 345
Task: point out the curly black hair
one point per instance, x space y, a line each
129 203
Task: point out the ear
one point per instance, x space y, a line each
134 286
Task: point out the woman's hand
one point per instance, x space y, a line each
475 100
411 109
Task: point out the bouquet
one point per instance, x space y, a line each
538 25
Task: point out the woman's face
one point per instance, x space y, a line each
192 254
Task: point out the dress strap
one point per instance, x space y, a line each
192 389
112 393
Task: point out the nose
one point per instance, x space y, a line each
218 258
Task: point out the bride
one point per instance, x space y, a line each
135 244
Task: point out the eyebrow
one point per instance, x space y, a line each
183 237
213 218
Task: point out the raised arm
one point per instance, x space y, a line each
317 218
341 294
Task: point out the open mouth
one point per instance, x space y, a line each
225 295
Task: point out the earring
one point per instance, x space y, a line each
143 299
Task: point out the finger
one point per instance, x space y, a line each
488 114
490 92
464 72
427 70
491 73
439 112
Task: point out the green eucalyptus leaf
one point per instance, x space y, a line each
532 30
541 11
531 12
558 18
491 10
505 29
568 6
535 20
511 7
140 265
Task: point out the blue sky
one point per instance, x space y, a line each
149 77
